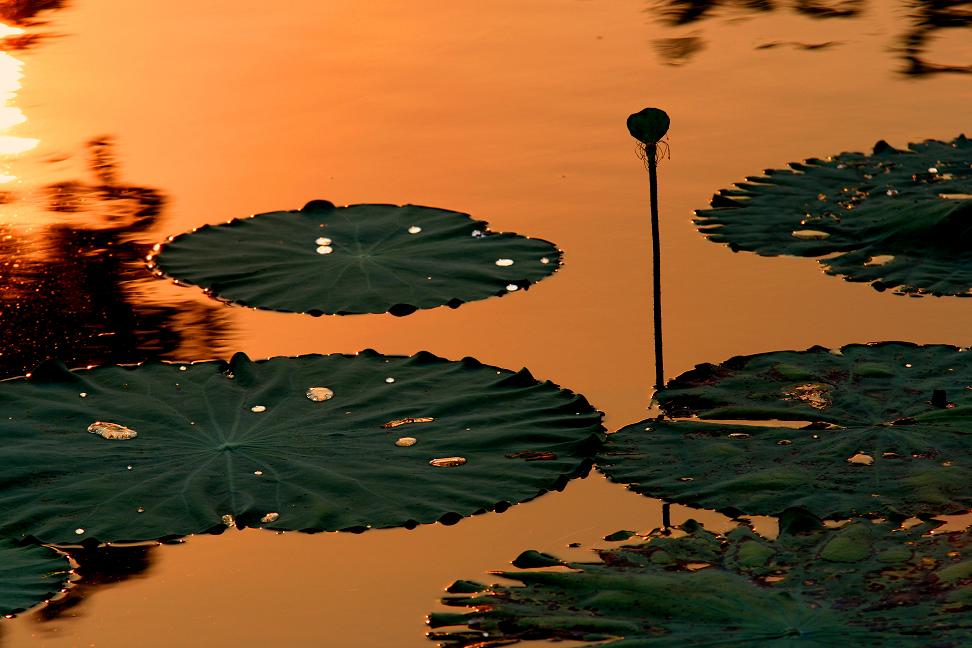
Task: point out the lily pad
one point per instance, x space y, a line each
889 434
324 259
29 574
308 443
864 584
897 219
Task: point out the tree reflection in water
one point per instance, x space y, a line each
76 289
924 20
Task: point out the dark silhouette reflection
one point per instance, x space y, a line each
76 289
928 17
924 19
98 568
25 12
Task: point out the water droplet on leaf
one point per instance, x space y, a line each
447 462
318 394
112 431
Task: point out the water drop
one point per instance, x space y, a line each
324 249
738 435
512 287
477 233
784 442
228 520
182 368
810 235
140 509
686 479
861 459
389 380
112 431
258 473
405 442
270 517
504 262
83 394
407 421
544 260
257 409
932 169
318 394
323 240
414 229
129 467
891 192
447 462
79 531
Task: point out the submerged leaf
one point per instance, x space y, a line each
377 258
865 584
205 457
29 575
879 441
896 219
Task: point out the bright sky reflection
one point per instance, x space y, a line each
11 73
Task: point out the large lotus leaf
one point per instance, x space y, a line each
864 584
29 574
895 471
243 442
891 434
355 259
885 383
898 219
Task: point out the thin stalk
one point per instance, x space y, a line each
651 151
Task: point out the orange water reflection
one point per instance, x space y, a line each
515 113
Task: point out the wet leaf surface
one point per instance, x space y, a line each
221 444
863 584
28 576
896 219
357 259
879 442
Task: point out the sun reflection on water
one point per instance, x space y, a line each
11 74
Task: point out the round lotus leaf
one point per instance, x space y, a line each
897 219
895 471
313 443
864 584
29 574
878 384
649 125
890 434
324 259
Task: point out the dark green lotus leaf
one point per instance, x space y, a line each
884 383
649 125
243 443
864 584
895 471
890 434
897 219
356 259
29 574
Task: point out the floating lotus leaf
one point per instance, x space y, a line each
890 434
308 443
29 574
864 584
897 219
356 259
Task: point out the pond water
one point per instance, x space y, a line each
126 122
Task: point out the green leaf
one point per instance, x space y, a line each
29 575
881 442
797 590
649 125
896 219
356 259
243 443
